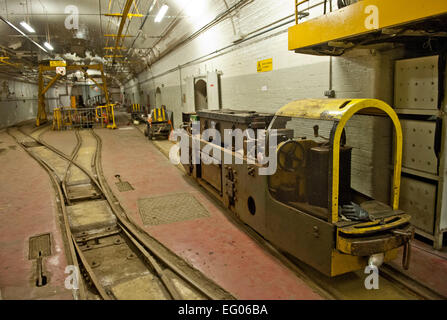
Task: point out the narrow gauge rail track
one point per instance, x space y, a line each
342 287
117 260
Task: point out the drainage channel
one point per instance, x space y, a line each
114 264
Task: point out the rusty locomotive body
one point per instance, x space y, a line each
306 207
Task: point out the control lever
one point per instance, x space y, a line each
406 255
316 134
342 139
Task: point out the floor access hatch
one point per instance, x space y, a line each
170 208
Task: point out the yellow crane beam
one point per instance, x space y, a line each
118 35
52 81
126 9
91 78
119 15
113 48
2 60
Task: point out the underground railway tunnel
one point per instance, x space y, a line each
223 150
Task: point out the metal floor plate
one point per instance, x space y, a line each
170 208
42 244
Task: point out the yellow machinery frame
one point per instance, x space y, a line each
62 117
351 21
119 36
41 112
341 110
136 107
59 121
110 115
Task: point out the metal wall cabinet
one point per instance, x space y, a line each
418 85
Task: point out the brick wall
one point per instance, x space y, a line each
363 74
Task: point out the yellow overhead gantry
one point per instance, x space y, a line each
366 22
3 60
41 112
120 36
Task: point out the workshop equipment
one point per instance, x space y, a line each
137 113
158 124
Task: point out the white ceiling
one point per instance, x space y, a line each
86 44
48 17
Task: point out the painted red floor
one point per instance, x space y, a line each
427 266
27 208
213 245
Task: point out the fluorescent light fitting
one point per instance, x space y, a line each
153 5
48 46
27 27
164 8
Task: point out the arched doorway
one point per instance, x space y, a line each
200 95
158 102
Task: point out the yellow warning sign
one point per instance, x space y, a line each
265 65
58 63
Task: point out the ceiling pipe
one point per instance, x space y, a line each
140 30
22 33
216 20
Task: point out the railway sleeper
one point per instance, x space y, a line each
96 234
111 240
82 190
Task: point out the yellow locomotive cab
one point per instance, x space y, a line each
389 229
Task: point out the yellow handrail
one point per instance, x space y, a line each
340 111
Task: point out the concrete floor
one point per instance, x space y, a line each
213 245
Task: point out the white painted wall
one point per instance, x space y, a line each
294 76
363 74
18 101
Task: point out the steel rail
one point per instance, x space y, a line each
63 192
73 155
309 275
261 241
201 283
418 288
72 258
102 292
206 287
